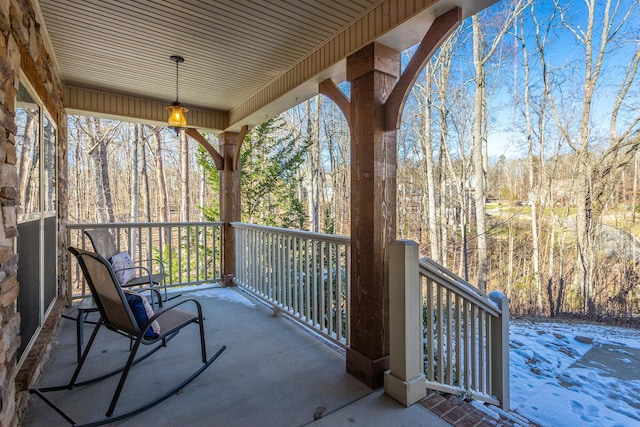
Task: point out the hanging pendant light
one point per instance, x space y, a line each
177 119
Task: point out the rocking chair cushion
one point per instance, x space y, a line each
140 314
123 267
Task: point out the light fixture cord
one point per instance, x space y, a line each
177 64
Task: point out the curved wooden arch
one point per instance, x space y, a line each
236 154
217 158
329 89
441 28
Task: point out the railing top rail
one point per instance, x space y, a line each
295 233
458 286
141 224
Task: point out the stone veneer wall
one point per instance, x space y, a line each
22 48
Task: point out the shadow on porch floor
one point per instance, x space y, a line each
273 373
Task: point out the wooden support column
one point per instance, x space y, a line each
228 163
374 113
373 72
230 143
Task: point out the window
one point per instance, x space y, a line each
36 142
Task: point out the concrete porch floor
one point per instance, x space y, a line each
273 373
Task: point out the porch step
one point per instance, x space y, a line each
460 413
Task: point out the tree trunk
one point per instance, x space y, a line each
427 148
163 200
145 179
29 161
103 163
478 157
135 187
533 188
184 177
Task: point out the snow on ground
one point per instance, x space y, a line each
558 380
218 292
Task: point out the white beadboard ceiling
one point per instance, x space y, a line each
232 48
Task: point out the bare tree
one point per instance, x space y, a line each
533 187
604 24
184 176
483 50
100 134
135 186
145 176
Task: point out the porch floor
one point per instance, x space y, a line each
273 373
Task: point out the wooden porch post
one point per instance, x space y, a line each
230 143
228 163
378 95
373 72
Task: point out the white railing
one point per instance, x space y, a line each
190 251
301 274
466 341
444 334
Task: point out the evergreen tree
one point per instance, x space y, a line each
269 162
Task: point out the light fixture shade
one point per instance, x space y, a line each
177 117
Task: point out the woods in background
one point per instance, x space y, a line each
551 220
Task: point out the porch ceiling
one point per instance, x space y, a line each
244 60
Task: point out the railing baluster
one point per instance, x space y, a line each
322 290
430 331
481 350
458 345
314 296
305 275
330 290
439 337
281 275
348 292
196 242
474 347
338 295
295 282
467 347
307 281
487 346
300 281
147 241
449 352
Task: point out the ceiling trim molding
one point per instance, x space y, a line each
113 105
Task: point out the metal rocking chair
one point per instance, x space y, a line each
117 316
104 244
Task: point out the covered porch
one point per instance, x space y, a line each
273 373
251 66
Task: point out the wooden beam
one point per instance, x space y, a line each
217 158
441 28
230 199
236 153
101 103
329 89
372 72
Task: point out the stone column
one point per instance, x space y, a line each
373 72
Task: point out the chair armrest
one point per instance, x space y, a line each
139 267
153 291
150 260
168 308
